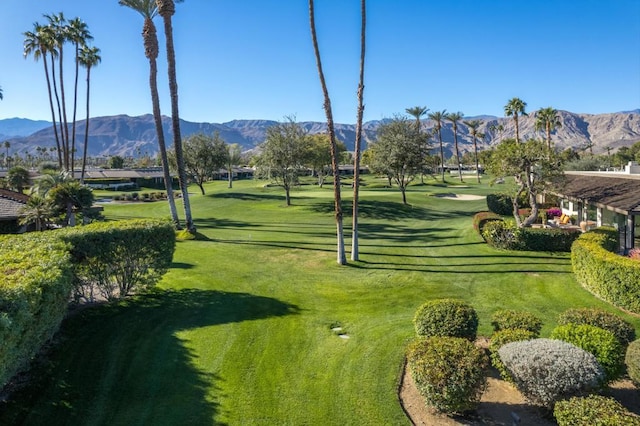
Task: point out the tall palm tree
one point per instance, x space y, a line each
454 118
497 128
341 257
1 97
473 127
148 9
59 34
78 33
548 119
355 250
234 157
7 145
38 44
417 112
89 57
515 107
438 117
166 9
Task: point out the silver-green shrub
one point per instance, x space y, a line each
546 370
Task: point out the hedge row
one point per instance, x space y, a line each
480 219
35 284
507 236
116 258
39 270
609 276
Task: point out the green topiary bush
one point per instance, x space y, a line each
549 239
35 285
449 372
501 338
609 276
509 319
500 204
624 331
116 259
593 410
481 218
546 370
632 360
446 317
503 235
597 341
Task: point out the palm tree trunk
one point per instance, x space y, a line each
341 257
355 255
175 122
515 119
230 176
75 104
441 153
475 148
64 114
53 114
151 43
86 129
455 138
63 144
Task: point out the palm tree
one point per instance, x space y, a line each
88 58
355 250
148 9
437 117
7 145
454 117
38 210
234 157
78 33
1 97
17 178
514 107
38 43
341 257
417 112
473 127
57 27
166 9
548 119
497 128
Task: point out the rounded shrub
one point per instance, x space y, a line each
500 204
501 338
446 317
593 410
632 360
503 235
481 218
597 341
624 331
547 370
509 319
449 372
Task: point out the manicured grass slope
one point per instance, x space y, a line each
239 331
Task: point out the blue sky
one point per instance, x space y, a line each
253 59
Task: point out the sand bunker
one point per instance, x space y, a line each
463 197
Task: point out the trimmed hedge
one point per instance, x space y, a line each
480 219
607 275
593 410
35 285
118 258
446 318
624 331
597 341
449 372
507 236
632 361
500 204
505 319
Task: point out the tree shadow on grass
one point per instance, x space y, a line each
126 364
389 210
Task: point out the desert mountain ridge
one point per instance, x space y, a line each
135 136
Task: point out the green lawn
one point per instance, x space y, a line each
239 331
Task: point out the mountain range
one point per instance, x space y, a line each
134 136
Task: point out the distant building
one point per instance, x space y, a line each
10 205
606 199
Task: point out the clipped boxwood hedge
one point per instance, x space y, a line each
35 285
609 276
118 258
593 410
500 204
446 318
480 219
549 239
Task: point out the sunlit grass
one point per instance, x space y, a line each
239 331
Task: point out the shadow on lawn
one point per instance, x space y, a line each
126 363
388 210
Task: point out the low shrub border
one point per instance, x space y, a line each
593 410
480 219
609 276
507 236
